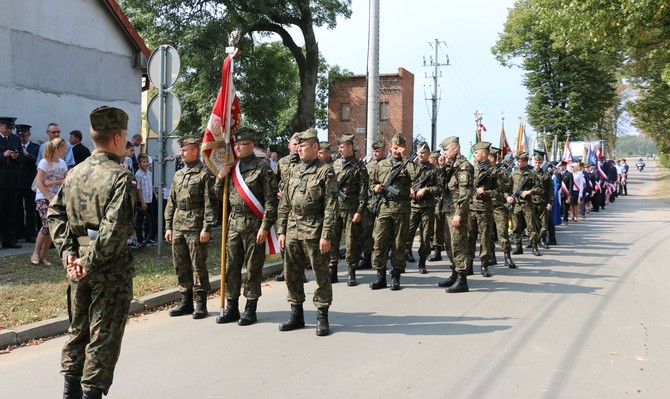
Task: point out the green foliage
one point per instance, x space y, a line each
628 146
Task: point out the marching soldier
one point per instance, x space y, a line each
249 222
352 180
438 226
543 201
501 210
525 184
305 228
367 242
284 166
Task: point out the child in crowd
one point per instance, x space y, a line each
130 153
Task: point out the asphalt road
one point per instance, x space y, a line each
587 319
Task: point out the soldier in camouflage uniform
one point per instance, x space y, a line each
523 206
189 217
501 210
438 225
284 166
422 216
542 202
352 181
459 190
90 220
367 242
392 222
324 152
248 226
305 227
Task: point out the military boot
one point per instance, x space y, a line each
296 319
485 269
536 251
461 284
450 281
322 326
249 316
366 263
543 241
422 265
381 280
351 282
437 255
518 250
333 274
280 277
508 261
395 279
231 313
493 261
470 269
185 306
72 387
200 305
410 257
93 393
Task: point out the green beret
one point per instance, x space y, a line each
324 145
186 140
245 133
522 156
435 154
7 120
108 118
482 145
495 150
398 139
344 138
308 134
22 129
378 144
538 158
295 136
423 146
449 140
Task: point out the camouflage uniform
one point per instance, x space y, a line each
422 215
481 213
91 218
367 241
446 206
438 225
500 209
460 187
523 209
540 201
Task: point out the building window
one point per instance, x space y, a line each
384 111
345 112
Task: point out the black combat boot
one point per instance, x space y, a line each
450 281
461 284
185 306
536 251
508 261
296 319
93 393
351 282
231 313
322 326
543 240
410 257
200 305
333 274
72 387
437 256
518 250
280 277
366 263
485 269
470 269
343 253
493 261
249 316
381 280
422 265
395 279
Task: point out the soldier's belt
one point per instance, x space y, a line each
398 198
188 207
307 212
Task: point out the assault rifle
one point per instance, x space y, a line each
387 186
419 184
341 183
519 190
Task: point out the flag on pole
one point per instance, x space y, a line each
567 154
504 145
521 140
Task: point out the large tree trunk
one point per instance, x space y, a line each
305 116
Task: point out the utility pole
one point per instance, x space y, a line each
372 124
435 64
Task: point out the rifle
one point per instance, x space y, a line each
481 179
419 184
387 187
519 190
341 183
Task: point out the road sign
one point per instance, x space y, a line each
164 60
172 113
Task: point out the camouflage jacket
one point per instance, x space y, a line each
431 183
352 182
284 166
460 186
261 181
91 217
533 184
504 188
190 204
309 201
369 167
380 174
484 201
547 193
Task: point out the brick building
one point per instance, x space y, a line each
347 107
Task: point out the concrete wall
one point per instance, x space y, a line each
62 58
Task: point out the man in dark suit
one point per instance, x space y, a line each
26 226
79 150
10 162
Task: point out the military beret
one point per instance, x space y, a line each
398 139
423 146
522 155
245 133
378 144
186 140
449 140
344 138
308 134
108 118
20 128
324 145
482 145
7 120
538 158
435 154
295 136
495 150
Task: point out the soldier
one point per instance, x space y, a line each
438 226
367 242
90 219
305 228
352 181
459 190
324 152
392 222
284 166
189 217
422 216
526 184
485 188
248 225
27 225
543 201
11 157
501 210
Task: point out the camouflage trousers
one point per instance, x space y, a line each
352 236
542 216
524 212
456 243
390 233
98 319
422 219
438 228
480 224
242 251
189 254
298 253
367 241
501 217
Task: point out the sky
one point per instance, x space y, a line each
474 80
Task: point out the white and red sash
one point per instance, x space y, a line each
272 243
